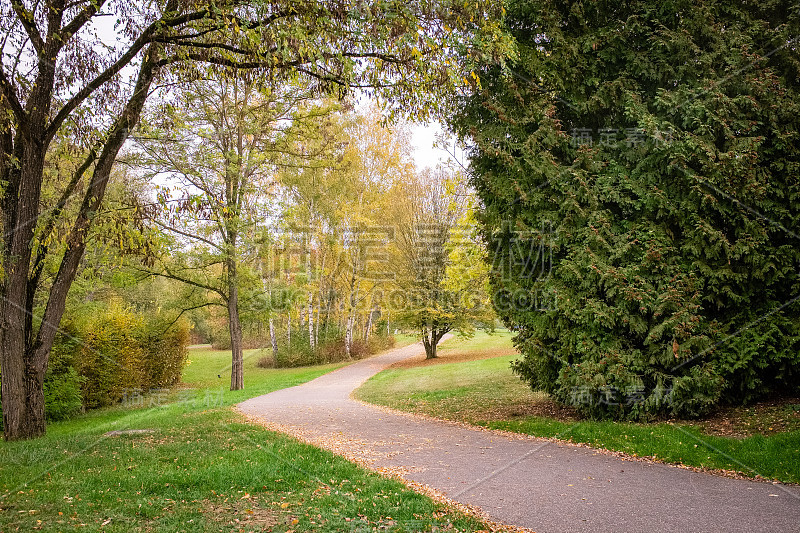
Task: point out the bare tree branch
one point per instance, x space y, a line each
188 235
80 19
26 18
185 310
169 275
11 97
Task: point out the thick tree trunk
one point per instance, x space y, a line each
430 339
20 417
235 326
23 413
430 347
23 394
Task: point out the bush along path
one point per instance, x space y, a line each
534 483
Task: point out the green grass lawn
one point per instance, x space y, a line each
485 392
200 467
211 369
463 391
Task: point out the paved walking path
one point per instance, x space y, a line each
529 482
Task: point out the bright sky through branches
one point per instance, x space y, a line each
423 139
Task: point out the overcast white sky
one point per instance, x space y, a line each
425 155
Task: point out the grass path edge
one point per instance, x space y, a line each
567 442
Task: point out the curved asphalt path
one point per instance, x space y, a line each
529 482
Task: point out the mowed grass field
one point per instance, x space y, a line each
196 465
472 383
470 379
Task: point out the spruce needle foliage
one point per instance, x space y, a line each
658 143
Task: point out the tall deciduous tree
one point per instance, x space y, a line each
313 185
216 149
60 77
338 210
438 263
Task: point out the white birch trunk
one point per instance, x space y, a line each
311 320
348 335
273 338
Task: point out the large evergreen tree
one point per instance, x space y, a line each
659 141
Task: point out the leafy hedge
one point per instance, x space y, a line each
333 350
105 353
117 352
638 169
62 386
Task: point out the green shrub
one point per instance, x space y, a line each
378 343
109 356
117 352
267 360
62 386
62 383
164 347
105 353
299 353
62 394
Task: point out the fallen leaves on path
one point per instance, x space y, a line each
360 452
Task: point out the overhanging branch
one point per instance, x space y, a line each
26 18
11 97
80 19
188 235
